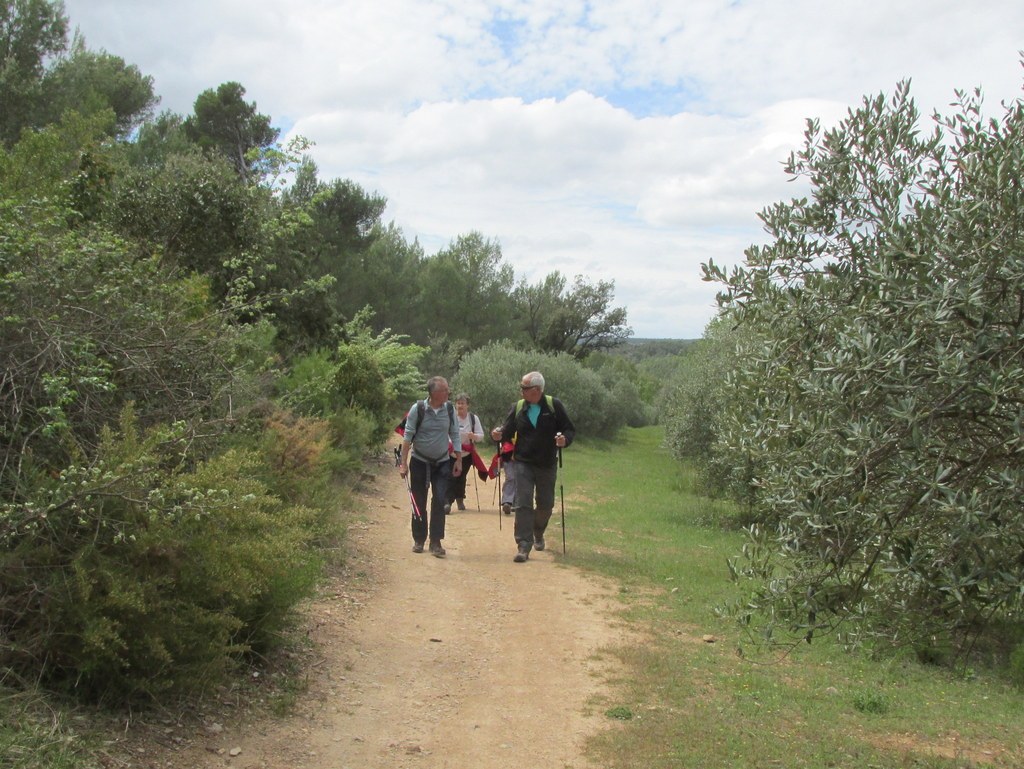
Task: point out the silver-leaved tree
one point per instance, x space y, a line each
878 410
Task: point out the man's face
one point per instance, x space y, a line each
531 393
440 394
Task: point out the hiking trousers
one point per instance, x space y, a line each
435 476
535 499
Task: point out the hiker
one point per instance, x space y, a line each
470 431
538 426
431 432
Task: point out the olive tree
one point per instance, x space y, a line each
882 404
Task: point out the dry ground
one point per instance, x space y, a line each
467 661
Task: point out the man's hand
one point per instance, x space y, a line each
457 467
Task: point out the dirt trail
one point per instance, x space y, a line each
467 661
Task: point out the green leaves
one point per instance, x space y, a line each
877 402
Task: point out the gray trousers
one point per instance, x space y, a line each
535 500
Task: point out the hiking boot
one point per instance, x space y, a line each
506 508
436 550
461 504
417 547
538 543
523 554
448 509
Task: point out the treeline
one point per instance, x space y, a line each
861 394
196 356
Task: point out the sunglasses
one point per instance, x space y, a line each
524 388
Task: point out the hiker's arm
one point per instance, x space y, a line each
507 430
563 424
403 465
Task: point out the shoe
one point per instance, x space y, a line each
417 547
506 508
436 550
448 509
461 504
538 543
523 554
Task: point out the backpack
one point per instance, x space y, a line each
522 404
420 405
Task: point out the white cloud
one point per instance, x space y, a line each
626 140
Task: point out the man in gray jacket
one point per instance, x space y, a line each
431 435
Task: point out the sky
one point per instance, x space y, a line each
619 140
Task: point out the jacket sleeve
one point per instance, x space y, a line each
563 423
508 429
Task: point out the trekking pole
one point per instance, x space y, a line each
561 494
498 444
477 490
415 508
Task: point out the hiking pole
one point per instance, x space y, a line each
476 488
415 508
498 444
561 494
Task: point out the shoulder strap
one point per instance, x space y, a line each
522 403
421 405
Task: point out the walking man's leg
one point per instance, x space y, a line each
544 479
418 480
438 494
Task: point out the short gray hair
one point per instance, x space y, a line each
535 378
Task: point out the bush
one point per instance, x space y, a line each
491 376
132 577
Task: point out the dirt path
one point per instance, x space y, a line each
470 660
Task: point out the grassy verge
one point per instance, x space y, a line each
685 700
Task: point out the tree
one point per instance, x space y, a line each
881 402
30 32
89 82
576 322
225 124
466 288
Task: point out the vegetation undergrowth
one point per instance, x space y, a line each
702 694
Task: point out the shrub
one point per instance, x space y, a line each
132 577
491 376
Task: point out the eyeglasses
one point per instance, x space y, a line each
524 388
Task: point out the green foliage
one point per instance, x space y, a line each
880 402
467 289
697 402
133 576
375 374
631 388
86 328
492 374
1016 666
576 321
34 733
88 82
192 210
31 31
225 125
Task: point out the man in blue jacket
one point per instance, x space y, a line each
538 426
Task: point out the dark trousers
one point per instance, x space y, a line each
535 500
421 475
457 483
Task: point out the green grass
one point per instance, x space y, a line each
632 515
35 733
